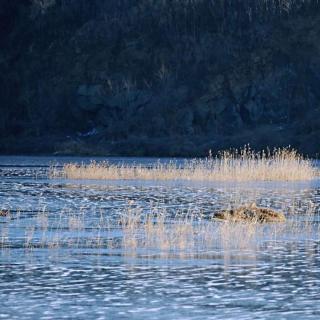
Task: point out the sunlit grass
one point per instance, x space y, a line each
232 165
154 231
192 233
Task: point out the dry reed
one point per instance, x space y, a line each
234 165
157 231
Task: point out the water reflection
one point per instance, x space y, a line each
283 281
63 255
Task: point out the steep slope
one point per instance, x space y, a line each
158 77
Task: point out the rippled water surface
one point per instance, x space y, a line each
64 254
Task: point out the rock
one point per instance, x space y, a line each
251 213
4 213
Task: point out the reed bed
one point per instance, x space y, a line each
283 164
135 231
191 233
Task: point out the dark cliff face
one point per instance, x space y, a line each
158 77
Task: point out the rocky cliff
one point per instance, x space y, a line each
158 77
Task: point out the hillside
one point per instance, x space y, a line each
158 77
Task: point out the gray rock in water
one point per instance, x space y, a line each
251 213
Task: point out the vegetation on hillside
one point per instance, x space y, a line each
157 77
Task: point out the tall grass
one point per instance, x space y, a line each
160 233
192 233
231 165
154 232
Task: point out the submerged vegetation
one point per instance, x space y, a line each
232 165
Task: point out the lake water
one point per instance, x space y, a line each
58 260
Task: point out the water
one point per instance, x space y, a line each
58 260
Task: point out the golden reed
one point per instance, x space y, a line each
284 164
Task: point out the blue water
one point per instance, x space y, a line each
51 268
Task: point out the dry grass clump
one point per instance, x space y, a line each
156 232
163 234
232 165
190 233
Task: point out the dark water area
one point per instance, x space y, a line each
63 256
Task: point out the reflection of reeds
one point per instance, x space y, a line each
29 236
302 224
4 236
75 223
234 165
